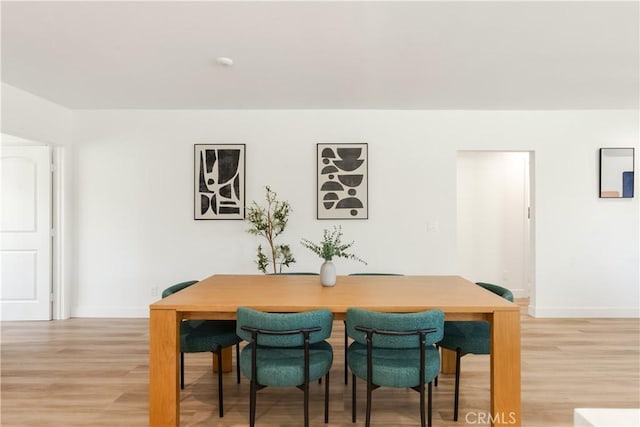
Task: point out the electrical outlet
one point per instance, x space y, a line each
154 291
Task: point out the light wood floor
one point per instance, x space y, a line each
94 372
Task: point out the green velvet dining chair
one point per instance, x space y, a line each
285 350
197 336
346 336
469 337
394 350
296 273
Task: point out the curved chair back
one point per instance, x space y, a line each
498 290
247 317
394 322
177 287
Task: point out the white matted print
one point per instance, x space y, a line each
342 191
219 179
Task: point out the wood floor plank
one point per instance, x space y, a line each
95 372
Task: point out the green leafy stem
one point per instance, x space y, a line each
331 246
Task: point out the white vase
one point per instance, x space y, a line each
328 274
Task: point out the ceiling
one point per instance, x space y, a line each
325 54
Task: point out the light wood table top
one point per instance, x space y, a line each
219 296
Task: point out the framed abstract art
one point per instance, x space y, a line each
342 185
219 181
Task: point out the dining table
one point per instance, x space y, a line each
219 296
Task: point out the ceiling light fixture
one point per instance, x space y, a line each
224 61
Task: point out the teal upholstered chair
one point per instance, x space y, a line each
394 350
285 350
469 337
346 336
197 336
298 273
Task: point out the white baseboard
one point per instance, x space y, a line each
115 312
586 312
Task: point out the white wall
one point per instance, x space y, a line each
134 189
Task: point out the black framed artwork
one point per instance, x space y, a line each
219 181
616 173
342 185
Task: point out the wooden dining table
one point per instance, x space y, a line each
219 296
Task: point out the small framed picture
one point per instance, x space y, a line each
342 186
219 181
616 173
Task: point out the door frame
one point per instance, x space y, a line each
61 242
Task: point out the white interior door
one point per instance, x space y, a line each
25 233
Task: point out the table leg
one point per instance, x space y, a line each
226 360
164 390
505 369
448 358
